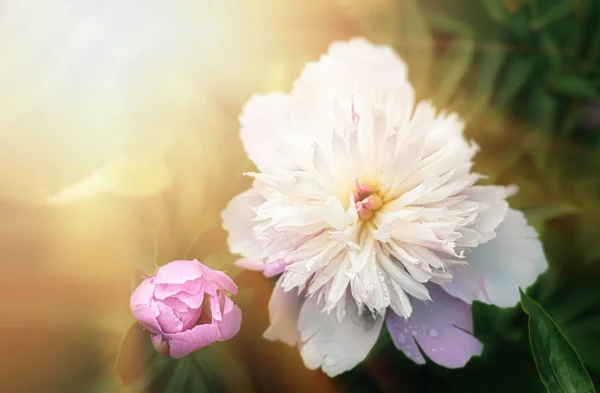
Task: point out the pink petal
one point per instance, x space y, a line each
189 318
442 329
219 278
193 300
165 290
167 319
230 325
178 272
215 308
143 306
146 315
143 293
176 304
192 340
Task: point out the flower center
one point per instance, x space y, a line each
367 200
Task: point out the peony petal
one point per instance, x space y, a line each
332 345
231 323
215 308
264 121
441 328
192 340
496 270
191 287
178 272
238 220
167 319
143 307
284 309
143 293
493 208
189 318
222 280
352 63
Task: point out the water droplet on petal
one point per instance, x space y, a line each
414 333
405 330
402 338
433 350
441 349
432 333
329 361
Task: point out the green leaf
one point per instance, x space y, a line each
517 74
558 364
489 68
552 51
544 12
575 302
453 67
575 86
496 10
513 5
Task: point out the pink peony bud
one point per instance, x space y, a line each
184 307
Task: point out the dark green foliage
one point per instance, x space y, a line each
557 362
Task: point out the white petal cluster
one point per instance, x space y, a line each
365 202
361 188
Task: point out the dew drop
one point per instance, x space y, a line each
414 333
441 349
433 350
405 330
432 333
402 338
329 361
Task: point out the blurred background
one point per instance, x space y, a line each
119 148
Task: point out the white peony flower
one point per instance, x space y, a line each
365 203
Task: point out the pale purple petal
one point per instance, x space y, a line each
178 272
496 270
192 340
284 309
442 328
